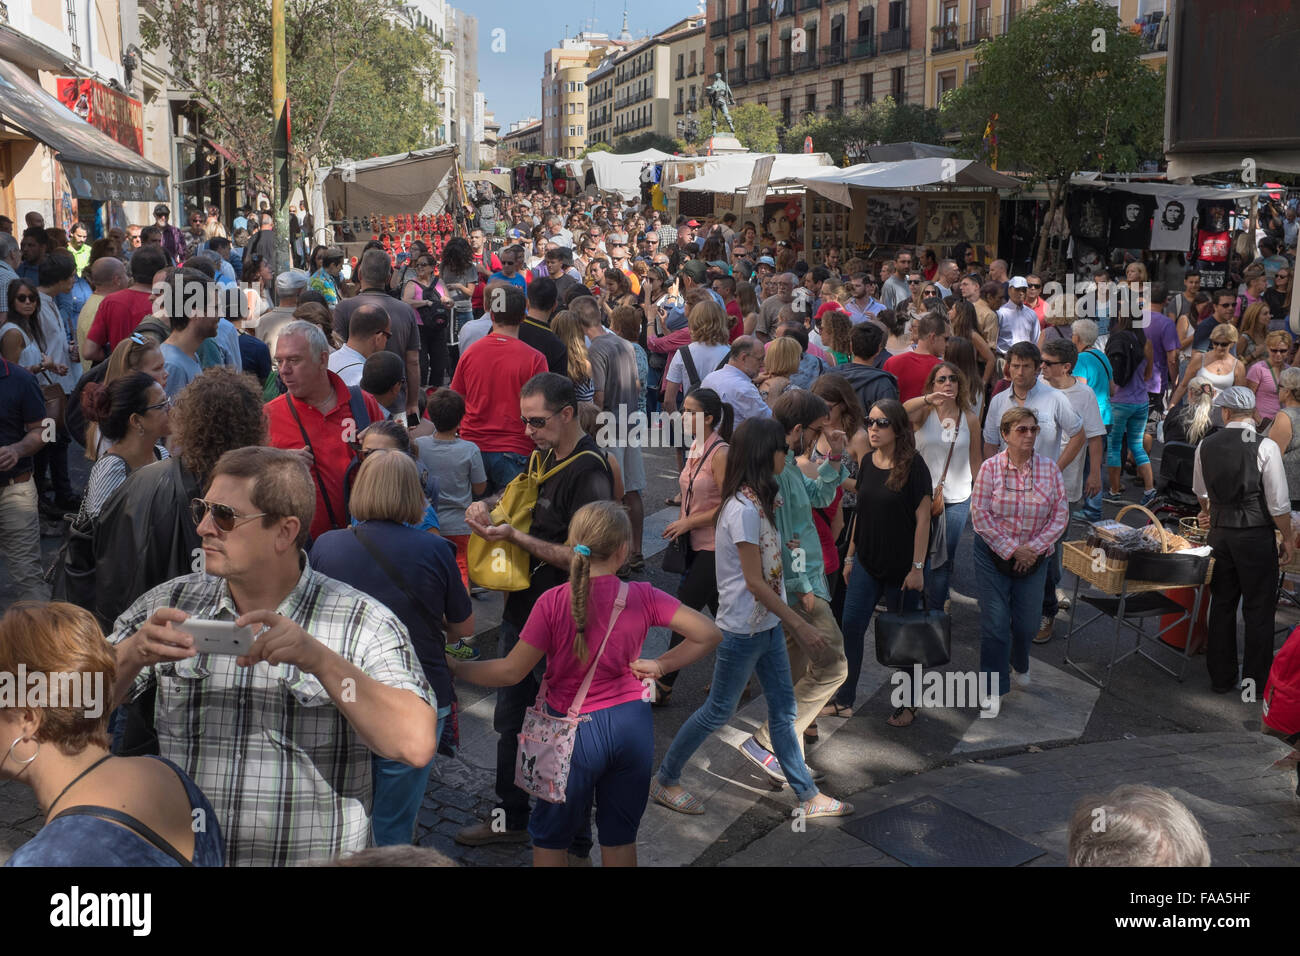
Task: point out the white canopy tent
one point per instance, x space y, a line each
419 182
731 172
941 172
618 173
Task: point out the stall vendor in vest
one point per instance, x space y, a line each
1241 483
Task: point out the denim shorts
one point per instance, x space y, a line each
611 765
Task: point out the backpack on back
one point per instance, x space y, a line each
502 565
1126 356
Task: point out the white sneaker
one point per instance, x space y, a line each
1018 679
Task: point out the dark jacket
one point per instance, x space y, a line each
144 535
871 384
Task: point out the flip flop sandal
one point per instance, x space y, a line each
835 710
684 802
894 720
836 808
674 500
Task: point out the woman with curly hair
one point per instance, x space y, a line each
148 534
837 330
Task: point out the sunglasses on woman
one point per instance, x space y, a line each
878 423
1026 429
26 298
226 518
941 379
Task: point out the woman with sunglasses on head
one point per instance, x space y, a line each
1018 509
887 556
132 415
751 611
947 437
1218 366
1262 377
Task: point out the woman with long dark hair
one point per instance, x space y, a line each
132 415
965 325
458 276
22 341
751 611
893 489
706 420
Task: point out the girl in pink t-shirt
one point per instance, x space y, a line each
615 744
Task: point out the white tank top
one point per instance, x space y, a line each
931 443
1220 382
31 353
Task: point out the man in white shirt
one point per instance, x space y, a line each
1016 321
1241 483
1059 357
368 332
734 382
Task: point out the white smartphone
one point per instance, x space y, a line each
218 637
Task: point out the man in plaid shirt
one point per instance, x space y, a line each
280 740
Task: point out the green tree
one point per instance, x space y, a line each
756 127
597 148
1070 92
635 144
846 136
361 81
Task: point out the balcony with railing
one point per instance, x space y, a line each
736 76
738 21
1153 33
718 27
945 37
781 66
805 61
809 4
892 41
835 53
863 47
757 72
786 9
761 13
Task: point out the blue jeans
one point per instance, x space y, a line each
738 656
1008 616
1050 604
502 467
860 600
1091 507
937 579
398 791
1128 423
653 400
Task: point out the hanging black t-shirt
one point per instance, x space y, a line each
887 520
1086 210
582 482
1130 220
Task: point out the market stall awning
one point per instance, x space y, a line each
621 172
417 182
97 166
729 173
907 174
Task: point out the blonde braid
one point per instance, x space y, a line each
579 591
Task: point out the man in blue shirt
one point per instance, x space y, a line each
511 259
22 435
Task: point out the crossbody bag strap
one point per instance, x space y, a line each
315 471
619 603
952 447
688 361
137 827
399 579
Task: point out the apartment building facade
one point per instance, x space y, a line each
799 57
564 91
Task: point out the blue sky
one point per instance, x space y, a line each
512 80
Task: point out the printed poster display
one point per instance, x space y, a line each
783 220
892 219
951 221
1172 229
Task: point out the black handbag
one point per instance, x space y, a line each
677 554
908 638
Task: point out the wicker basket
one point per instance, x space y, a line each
1102 571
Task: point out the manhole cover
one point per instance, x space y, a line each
929 832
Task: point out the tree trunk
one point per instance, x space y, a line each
1053 201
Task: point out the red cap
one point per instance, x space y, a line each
692 224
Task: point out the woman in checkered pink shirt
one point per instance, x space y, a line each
1018 510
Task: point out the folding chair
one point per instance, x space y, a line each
1141 596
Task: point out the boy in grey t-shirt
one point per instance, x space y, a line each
458 466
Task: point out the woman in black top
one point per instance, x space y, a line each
893 490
